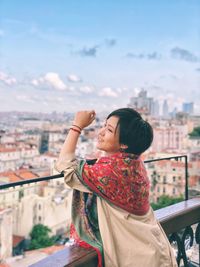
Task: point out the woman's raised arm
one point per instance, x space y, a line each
82 119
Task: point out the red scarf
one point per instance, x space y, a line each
120 179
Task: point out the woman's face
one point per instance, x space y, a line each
108 137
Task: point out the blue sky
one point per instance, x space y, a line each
71 55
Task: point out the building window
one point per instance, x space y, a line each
164 190
174 191
39 218
39 207
158 189
164 180
174 178
174 169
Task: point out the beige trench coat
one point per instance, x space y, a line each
128 240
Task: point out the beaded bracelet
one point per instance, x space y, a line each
75 130
77 127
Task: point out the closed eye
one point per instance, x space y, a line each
109 127
110 130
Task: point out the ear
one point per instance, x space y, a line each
123 147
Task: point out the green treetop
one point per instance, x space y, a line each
40 237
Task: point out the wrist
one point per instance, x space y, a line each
75 130
76 126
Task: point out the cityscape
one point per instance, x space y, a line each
29 147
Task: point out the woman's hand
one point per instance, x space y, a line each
84 118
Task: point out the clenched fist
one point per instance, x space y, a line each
84 118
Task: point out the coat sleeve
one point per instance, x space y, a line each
69 167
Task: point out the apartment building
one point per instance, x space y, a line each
11 158
5 233
53 211
13 195
167 178
171 138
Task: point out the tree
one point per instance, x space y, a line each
195 132
40 237
165 201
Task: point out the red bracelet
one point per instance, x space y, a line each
75 130
77 127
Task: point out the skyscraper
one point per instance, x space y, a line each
188 107
165 109
142 103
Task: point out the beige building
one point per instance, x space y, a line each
52 211
170 138
8 158
194 144
5 233
167 178
11 158
47 203
11 196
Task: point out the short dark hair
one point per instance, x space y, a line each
134 132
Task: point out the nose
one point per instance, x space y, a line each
102 131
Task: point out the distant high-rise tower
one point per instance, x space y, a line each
156 108
188 108
165 109
142 103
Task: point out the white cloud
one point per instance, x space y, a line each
7 79
86 89
121 90
45 103
73 78
54 80
51 78
41 79
72 88
35 82
137 90
107 91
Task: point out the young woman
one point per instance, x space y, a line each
110 206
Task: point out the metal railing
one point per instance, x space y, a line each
40 179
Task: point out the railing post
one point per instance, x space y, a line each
186 177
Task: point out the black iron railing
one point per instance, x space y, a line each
40 179
181 223
30 181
